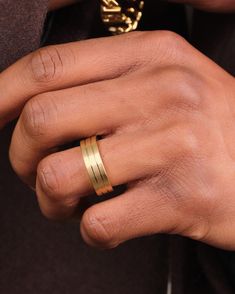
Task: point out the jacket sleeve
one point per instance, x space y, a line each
21 27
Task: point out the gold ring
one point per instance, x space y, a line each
95 166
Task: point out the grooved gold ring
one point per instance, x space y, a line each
95 166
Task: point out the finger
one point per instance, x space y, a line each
62 66
53 119
137 213
62 178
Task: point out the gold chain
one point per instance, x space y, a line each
121 16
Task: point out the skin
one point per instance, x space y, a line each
166 116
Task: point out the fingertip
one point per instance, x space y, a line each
96 230
53 209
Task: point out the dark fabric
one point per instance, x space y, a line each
83 21
198 268
21 24
214 35
72 23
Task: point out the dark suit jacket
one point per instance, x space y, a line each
40 257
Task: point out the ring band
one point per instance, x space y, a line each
95 166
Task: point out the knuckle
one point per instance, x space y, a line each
185 93
50 177
47 64
38 115
174 44
189 142
170 37
185 141
98 229
166 42
168 46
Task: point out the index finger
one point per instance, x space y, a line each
62 66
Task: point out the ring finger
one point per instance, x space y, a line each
62 178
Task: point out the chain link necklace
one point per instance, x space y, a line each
121 16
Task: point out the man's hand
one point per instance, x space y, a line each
166 114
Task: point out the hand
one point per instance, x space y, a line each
166 114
